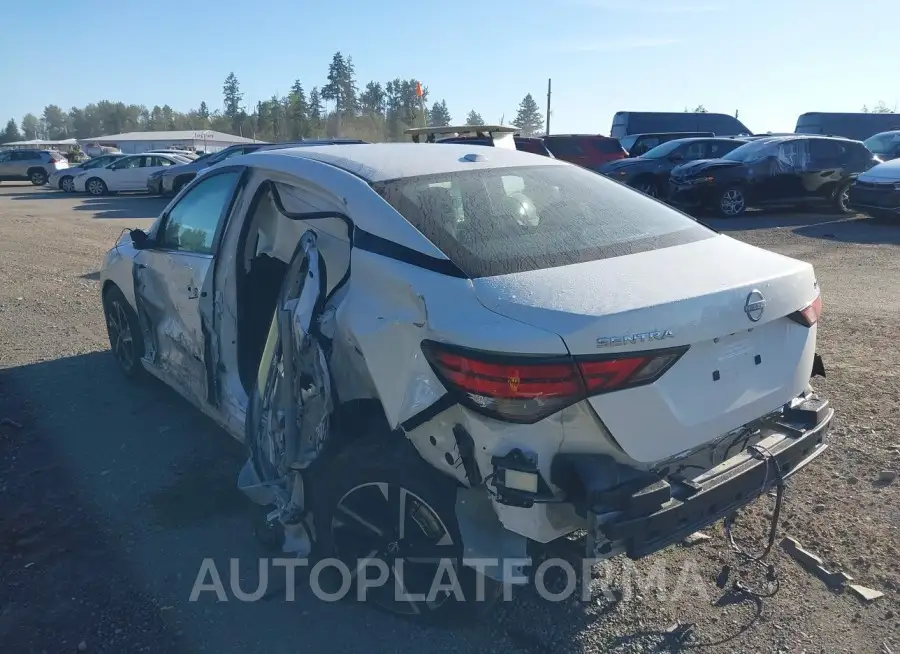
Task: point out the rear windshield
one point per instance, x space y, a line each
507 220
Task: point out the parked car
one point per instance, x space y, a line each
64 179
169 181
532 144
626 123
637 144
590 151
859 125
185 154
128 173
424 377
649 173
780 170
876 192
885 146
498 136
33 166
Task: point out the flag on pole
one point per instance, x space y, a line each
419 89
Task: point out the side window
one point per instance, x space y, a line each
162 161
827 154
694 151
5 156
718 149
643 145
794 155
191 224
127 162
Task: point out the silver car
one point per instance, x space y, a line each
64 179
33 166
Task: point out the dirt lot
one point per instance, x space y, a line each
112 495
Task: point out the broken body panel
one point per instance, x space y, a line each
330 337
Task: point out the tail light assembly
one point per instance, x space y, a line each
810 314
527 388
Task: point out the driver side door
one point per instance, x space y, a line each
173 281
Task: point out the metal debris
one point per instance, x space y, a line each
865 594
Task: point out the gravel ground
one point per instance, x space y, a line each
112 495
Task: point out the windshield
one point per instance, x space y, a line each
507 220
882 143
662 151
203 157
750 151
628 142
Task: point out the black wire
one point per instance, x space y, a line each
770 462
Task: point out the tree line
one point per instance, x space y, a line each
375 112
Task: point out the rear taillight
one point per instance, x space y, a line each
525 389
809 316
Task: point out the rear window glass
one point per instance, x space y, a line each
564 147
607 146
508 220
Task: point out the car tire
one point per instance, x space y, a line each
96 187
67 184
125 340
647 186
731 202
358 499
841 198
37 177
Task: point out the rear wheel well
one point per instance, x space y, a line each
108 285
36 169
181 181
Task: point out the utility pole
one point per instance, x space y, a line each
547 130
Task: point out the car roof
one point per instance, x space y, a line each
581 136
378 162
693 139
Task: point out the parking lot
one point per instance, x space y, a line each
111 494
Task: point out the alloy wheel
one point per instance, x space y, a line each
382 521
120 336
38 178
732 202
68 185
95 187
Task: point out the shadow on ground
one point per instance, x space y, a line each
112 494
123 206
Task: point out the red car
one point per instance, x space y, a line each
588 150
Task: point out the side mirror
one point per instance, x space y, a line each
139 239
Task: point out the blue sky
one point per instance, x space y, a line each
770 59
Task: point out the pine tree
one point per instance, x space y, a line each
232 96
11 133
372 99
341 86
30 126
529 119
474 118
297 111
316 111
439 116
203 111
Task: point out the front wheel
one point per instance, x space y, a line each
96 187
378 505
125 339
67 184
731 202
647 187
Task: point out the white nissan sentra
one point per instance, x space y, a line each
458 353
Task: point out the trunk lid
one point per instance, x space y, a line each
699 294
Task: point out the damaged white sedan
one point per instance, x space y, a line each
447 352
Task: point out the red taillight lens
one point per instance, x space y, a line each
526 389
810 315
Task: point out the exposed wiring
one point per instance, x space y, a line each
771 463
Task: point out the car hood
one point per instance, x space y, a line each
620 165
703 165
888 171
68 171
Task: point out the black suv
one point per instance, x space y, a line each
637 144
781 170
649 173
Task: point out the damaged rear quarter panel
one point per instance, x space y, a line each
391 307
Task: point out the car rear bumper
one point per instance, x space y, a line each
642 512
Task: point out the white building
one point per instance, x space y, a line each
136 142
40 144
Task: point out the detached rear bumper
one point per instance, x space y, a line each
666 509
